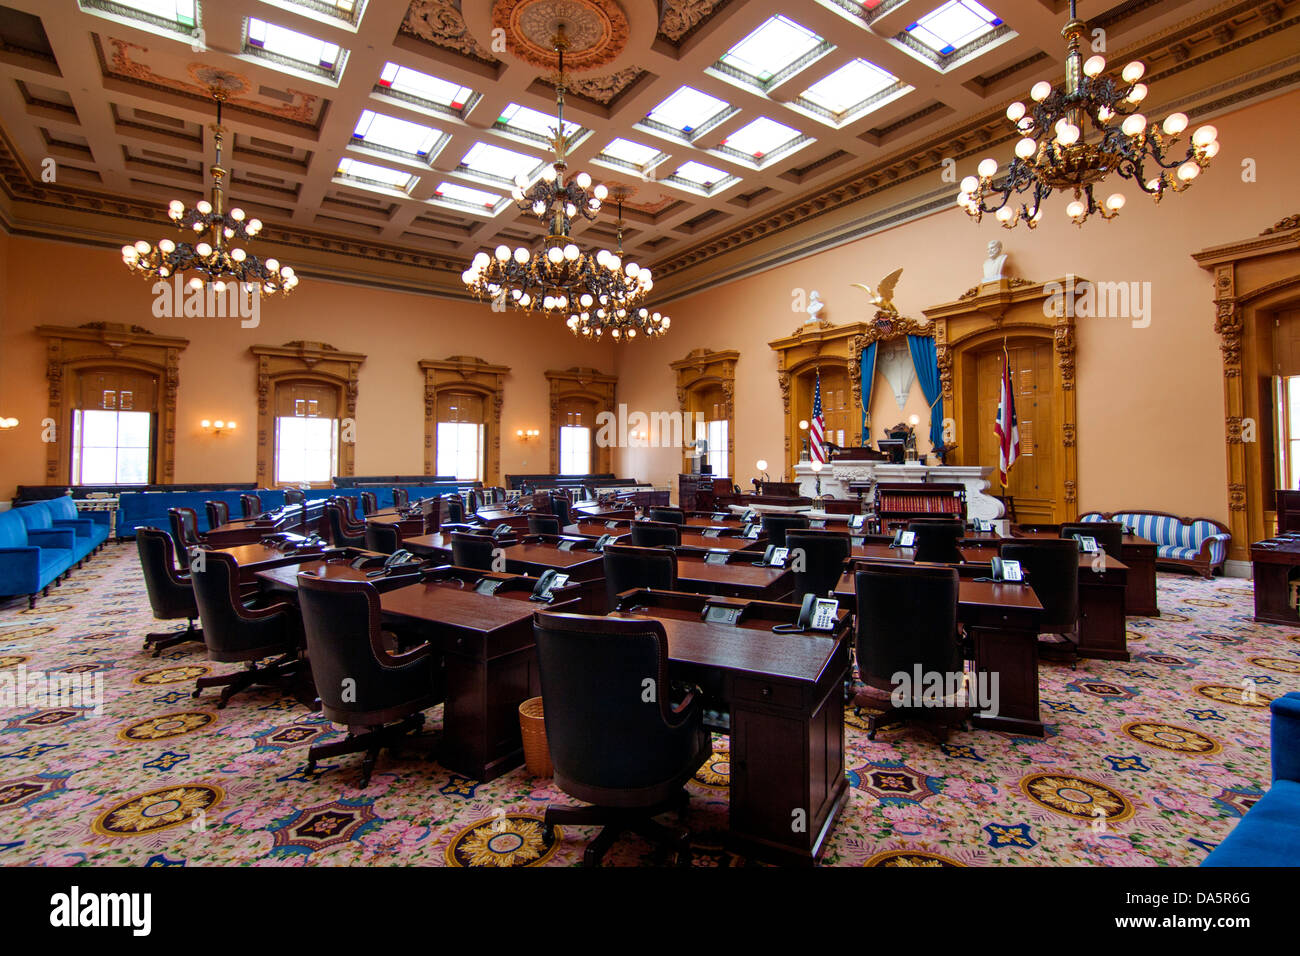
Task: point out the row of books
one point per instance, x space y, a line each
945 503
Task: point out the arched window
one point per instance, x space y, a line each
306 432
462 418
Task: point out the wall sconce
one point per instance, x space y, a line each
526 434
8 423
914 420
217 427
761 465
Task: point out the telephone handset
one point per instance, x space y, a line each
547 581
502 531
815 614
903 539
1007 570
603 540
774 556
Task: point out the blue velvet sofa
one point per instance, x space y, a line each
31 559
90 529
1269 833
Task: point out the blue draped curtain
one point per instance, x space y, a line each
926 361
868 378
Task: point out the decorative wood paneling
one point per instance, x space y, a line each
305 362
110 345
463 373
704 369
583 384
1254 279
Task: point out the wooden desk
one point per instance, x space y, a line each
708 521
291 518
584 568
602 512
594 529
1139 558
406 525
722 543
252 558
1002 623
284 578
739 579
498 516
436 546
491 666
1273 562
785 693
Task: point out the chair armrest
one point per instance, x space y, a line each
406 658
263 613
1286 737
96 517
20 566
82 527
52 538
1215 543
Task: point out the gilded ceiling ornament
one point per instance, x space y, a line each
440 22
680 17
605 89
596 31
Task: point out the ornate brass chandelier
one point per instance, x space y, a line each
216 254
1073 137
596 292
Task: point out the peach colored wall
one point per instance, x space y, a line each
1150 400
217 375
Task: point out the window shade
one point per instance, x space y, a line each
306 400
115 390
461 407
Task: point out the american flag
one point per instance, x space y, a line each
1006 427
817 427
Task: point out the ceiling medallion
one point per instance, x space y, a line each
597 31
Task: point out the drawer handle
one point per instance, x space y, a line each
766 692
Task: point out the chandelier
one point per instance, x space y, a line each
596 292
217 254
1075 136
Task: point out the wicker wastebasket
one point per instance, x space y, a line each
532 725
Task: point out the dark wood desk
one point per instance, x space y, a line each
602 512
1002 623
594 529
406 524
722 542
1274 564
291 518
499 516
252 558
436 546
785 694
708 521
585 568
1139 558
738 579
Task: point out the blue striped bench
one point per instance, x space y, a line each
1197 544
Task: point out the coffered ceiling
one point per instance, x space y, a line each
392 129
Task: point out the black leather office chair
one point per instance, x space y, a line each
628 758
185 529
561 509
387 692
218 513
472 550
294 496
824 554
543 524
430 511
401 499
666 515
237 630
1051 567
936 540
656 534
343 533
251 504
1109 535
907 617
473 501
627 566
171 596
776 525
455 509
369 502
383 537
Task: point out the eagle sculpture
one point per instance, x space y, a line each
883 295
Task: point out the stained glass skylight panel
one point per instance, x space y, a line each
630 152
774 47
687 111
468 196
291 45
425 88
532 124
761 137
388 132
178 15
701 178
494 162
364 172
848 88
954 25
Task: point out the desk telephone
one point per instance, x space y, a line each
501 531
983 525
815 614
773 557
603 540
1007 570
1087 543
903 539
548 581
721 614
398 560
751 530
856 522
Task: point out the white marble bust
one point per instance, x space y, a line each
815 306
994 263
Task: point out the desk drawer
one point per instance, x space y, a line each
772 693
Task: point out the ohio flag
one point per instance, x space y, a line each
1005 427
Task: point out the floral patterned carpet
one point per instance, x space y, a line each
1149 762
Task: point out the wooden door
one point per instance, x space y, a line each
1034 478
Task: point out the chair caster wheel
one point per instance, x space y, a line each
196 694
548 833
